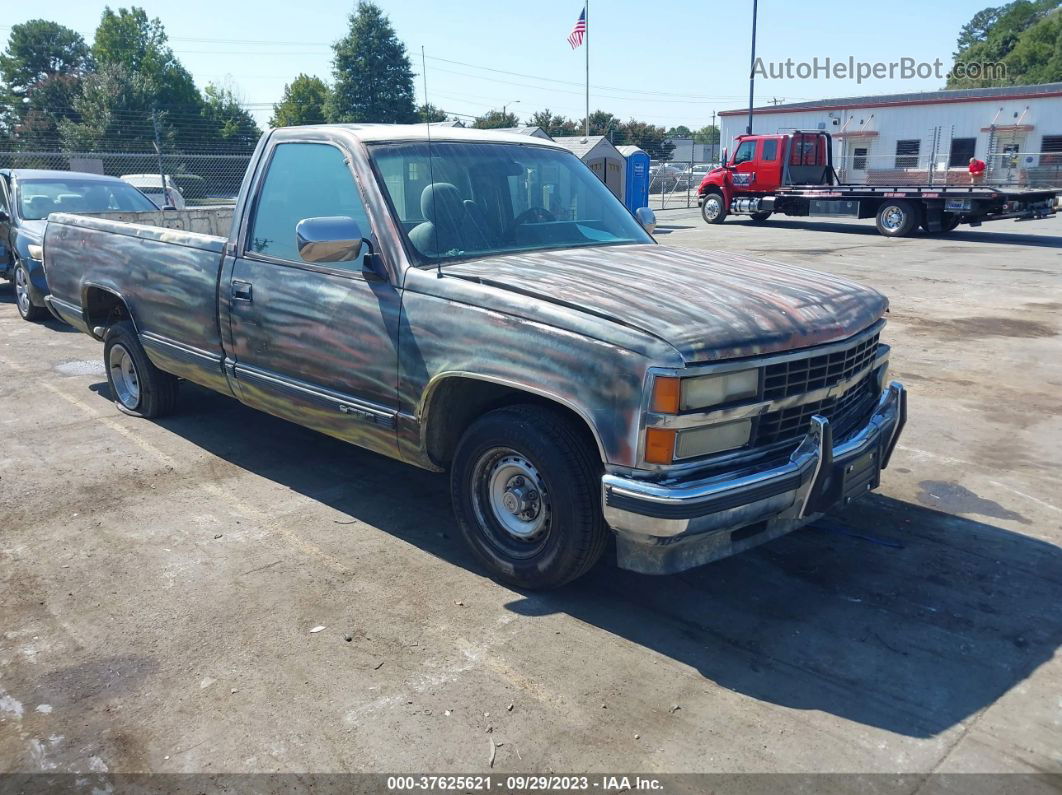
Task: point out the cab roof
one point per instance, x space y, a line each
382 133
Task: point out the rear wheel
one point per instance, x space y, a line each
759 218
525 490
949 223
897 218
713 208
138 387
22 296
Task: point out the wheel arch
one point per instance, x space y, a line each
102 305
453 401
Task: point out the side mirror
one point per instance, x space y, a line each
333 238
647 218
726 157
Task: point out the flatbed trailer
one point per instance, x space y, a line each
792 174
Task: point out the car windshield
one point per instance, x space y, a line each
37 198
478 199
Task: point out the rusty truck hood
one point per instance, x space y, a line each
707 304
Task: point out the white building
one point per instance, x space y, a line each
1016 130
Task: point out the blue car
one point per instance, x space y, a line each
27 197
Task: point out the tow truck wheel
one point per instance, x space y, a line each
138 387
525 486
950 223
759 218
713 208
897 218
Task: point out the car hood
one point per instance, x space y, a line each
708 305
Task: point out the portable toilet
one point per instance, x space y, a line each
637 187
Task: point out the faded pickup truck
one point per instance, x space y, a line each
482 303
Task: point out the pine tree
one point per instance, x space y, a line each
373 77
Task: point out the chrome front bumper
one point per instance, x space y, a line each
666 528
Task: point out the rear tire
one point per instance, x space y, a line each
525 486
20 282
897 218
759 218
138 387
713 208
947 226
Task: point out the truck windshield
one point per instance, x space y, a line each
38 198
478 199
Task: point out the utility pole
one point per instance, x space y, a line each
158 151
752 65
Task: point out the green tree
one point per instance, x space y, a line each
127 38
303 103
601 123
229 126
41 70
653 139
1025 36
114 113
493 119
708 134
682 131
373 77
429 113
557 126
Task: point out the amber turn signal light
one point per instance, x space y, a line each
659 445
666 392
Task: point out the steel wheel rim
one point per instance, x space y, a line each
893 218
511 501
711 208
124 376
22 295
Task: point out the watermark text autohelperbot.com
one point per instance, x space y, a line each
851 69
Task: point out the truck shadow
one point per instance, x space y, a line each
964 234
890 615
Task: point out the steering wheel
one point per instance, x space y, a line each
534 215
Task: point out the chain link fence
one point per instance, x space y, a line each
200 179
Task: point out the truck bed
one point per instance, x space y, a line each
925 191
167 278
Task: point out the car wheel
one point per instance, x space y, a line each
22 296
897 218
138 387
759 218
525 486
713 208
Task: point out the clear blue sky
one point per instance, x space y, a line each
666 62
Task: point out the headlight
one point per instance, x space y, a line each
712 439
713 390
36 251
672 395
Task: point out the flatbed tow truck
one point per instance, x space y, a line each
792 173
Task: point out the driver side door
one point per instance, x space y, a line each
315 343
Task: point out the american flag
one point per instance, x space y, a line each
576 37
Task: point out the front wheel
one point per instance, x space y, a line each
138 387
525 486
22 296
897 218
713 208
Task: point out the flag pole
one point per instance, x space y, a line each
586 12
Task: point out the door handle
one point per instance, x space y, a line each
241 291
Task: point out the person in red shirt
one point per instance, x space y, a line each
977 171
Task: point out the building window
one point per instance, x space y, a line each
770 149
962 149
907 153
859 158
1051 146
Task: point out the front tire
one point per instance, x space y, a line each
525 486
713 208
138 387
897 218
23 301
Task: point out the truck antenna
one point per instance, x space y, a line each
431 170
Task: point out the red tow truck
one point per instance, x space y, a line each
791 173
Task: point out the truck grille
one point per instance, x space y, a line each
799 376
845 412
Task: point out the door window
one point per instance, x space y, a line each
745 152
859 158
304 180
770 150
